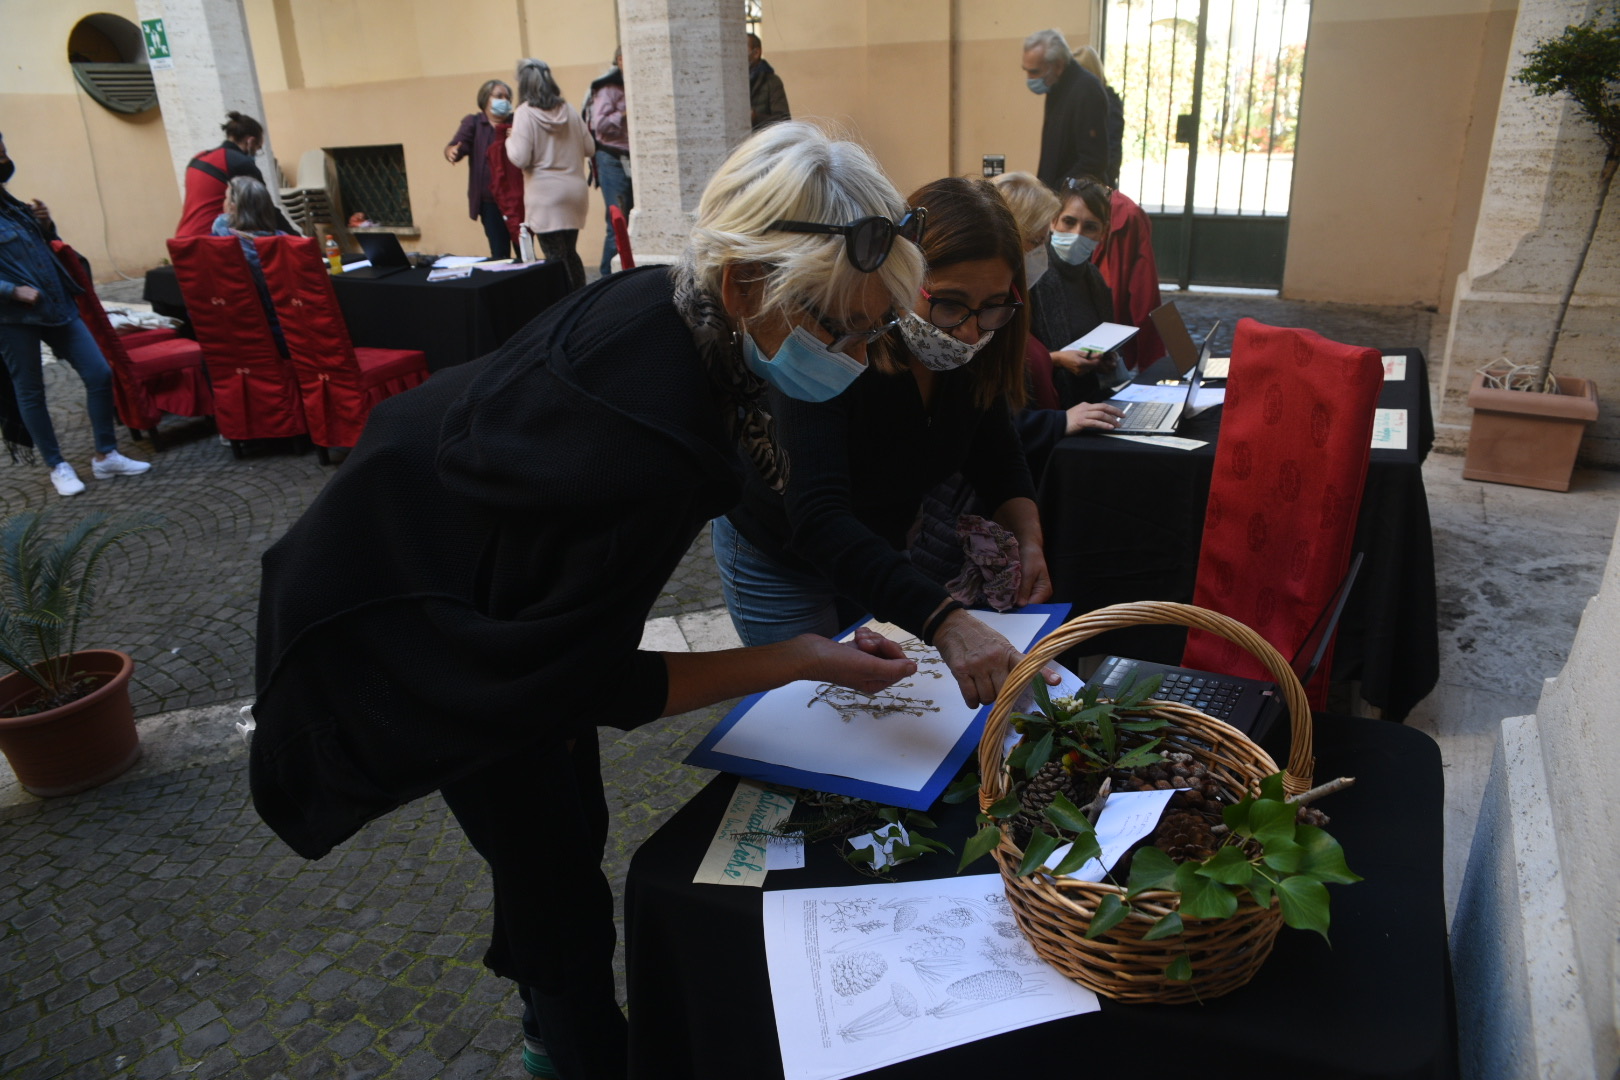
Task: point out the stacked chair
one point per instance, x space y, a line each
256 394
316 201
338 383
154 371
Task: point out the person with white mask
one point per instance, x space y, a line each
937 400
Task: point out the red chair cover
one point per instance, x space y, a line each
339 383
154 371
1127 264
621 237
255 394
1295 439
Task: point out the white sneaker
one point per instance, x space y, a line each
66 480
116 464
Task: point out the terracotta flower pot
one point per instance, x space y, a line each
1528 439
78 745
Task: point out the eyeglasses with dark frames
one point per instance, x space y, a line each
949 314
843 338
868 241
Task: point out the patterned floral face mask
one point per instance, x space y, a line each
936 349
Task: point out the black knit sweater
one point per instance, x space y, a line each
473 582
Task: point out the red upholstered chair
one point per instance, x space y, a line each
621 237
154 371
339 383
1296 434
255 393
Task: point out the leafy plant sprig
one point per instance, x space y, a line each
823 816
1087 728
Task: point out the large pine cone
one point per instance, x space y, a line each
1196 789
1037 795
1185 836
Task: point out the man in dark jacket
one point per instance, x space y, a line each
1074 134
767 100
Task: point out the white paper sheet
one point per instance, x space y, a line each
812 726
449 273
1127 817
458 260
786 853
867 975
1389 429
361 265
1101 338
506 264
1174 394
1394 368
1218 367
1171 441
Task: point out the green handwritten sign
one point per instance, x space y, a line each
157 43
733 858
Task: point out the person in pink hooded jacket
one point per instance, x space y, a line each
550 143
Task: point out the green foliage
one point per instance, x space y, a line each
1584 62
47 589
1087 731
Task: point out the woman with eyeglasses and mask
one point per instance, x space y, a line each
1072 298
935 402
448 612
472 141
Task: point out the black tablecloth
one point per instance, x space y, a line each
1124 521
451 321
1378 1003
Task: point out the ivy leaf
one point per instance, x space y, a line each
1084 850
1150 869
1284 856
906 851
1180 969
1202 898
1110 913
1043 697
861 857
1272 788
1229 866
890 814
1036 851
1020 755
1304 904
1324 858
1260 889
1237 816
916 819
1039 754
931 844
1006 808
1067 816
1271 821
981 844
964 788
1169 926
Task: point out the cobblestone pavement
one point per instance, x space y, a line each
155 928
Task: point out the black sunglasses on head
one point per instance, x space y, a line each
867 242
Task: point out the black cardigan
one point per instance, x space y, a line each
473 582
861 464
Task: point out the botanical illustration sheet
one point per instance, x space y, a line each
897 738
867 975
1389 429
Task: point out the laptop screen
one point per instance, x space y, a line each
383 250
1196 376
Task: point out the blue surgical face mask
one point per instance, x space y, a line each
1037 86
501 107
1073 248
804 367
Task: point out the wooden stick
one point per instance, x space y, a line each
1320 790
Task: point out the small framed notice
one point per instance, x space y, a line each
1389 429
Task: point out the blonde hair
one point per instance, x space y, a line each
796 171
1087 58
1032 203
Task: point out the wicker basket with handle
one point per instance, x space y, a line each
1056 912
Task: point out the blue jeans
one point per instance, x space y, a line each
19 344
770 602
616 191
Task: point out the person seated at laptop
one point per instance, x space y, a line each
1127 265
1071 298
249 212
936 400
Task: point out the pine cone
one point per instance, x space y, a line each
1310 815
1037 795
1184 836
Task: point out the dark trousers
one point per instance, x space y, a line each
540 820
495 230
561 246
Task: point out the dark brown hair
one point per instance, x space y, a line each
1096 195
238 127
968 220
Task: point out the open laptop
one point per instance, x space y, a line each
384 253
1178 340
1250 705
1164 417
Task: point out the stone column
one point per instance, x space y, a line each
213 74
1536 939
686 87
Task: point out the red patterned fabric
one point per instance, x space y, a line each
621 237
1296 434
255 394
154 371
506 182
1127 264
339 383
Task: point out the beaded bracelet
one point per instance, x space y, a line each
937 618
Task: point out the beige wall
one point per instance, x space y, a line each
105 176
1395 128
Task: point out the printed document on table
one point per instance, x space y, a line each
1102 338
863 976
901 746
1389 429
1394 368
361 265
457 260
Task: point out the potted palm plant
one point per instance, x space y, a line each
66 723
1528 423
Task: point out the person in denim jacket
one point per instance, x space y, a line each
37 305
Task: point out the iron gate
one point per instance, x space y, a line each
1211 91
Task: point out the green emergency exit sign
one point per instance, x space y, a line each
157 43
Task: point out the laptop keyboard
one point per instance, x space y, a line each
1145 414
1209 696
